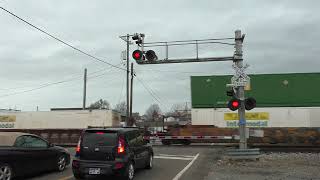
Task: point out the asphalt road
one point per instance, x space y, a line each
170 162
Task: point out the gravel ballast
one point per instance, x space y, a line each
284 166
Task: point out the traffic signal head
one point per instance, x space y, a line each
250 103
151 55
234 104
137 55
135 37
230 93
139 41
138 38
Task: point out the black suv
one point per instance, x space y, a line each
107 151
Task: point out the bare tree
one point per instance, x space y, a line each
100 104
178 108
153 112
121 107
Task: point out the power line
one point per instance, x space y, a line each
167 101
61 41
15 88
99 75
151 93
51 84
155 98
41 87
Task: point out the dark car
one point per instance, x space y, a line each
23 154
111 151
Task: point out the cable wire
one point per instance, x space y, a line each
61 41
155 92
152 93
51 84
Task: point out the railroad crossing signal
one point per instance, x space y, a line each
139 55
235 102
249 103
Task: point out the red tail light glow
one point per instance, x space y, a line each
78 148
100 133
121 145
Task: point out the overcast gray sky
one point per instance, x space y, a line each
281 37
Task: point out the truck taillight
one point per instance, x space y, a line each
121 145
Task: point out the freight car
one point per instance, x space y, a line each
61 127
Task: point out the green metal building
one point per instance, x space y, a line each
270 90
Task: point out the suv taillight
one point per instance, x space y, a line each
78 148
121 145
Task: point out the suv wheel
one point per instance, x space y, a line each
5 172
129 173
149 164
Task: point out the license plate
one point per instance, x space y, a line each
94 170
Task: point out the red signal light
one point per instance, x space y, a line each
137 55
234 104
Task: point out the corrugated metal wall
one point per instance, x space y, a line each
259 117
76 119
270 90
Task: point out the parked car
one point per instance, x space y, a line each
107 151
23 154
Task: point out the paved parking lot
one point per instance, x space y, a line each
171 162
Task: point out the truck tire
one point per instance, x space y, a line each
166 142
186 142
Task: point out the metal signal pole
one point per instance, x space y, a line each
131 89
84 89
240 91
128 43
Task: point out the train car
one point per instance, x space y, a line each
61 127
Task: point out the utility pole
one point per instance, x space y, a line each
131 89
84 89
163 123
128 43
240 91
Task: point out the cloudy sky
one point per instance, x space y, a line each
281 37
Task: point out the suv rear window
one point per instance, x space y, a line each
101 138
